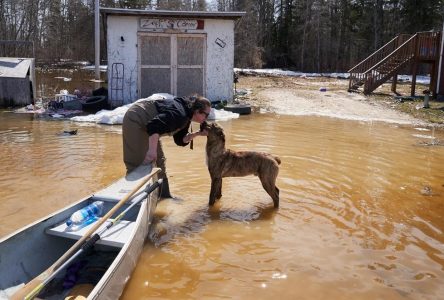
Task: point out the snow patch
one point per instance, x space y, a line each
115 117
280 72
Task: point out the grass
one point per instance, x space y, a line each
414 107
411 105
434 114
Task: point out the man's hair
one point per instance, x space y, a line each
199 103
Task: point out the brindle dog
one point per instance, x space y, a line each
224 162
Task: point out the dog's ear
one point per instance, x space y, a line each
215 125
222 135
220 131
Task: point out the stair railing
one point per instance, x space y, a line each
357 75
421 46
387 67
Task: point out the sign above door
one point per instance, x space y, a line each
178 24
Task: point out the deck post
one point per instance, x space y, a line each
394 82
432 86
439 88
414 71
97 39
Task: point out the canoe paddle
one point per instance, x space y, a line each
36 284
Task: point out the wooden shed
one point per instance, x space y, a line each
175 52
17 77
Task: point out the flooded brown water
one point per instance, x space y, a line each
361 213
50 82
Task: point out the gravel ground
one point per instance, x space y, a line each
320 96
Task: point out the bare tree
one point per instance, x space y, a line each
308 35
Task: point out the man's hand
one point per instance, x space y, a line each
203 132
190 136
151 155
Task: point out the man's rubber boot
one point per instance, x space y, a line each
165 189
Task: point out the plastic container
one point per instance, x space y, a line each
86 215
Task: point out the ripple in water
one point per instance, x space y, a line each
353 221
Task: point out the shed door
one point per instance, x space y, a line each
155 65
171 63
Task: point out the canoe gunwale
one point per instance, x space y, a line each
113 281
110 286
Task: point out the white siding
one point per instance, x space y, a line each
124 52
219 60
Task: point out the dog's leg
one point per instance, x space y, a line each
216 186
276 197
269 184
219 191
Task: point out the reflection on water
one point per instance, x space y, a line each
50 82
43 170
360 214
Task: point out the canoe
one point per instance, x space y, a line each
99 273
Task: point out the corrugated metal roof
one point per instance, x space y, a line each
173 13
14 67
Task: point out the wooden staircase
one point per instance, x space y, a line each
385 63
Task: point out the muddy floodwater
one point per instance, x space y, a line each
360 217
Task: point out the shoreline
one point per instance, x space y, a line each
328 97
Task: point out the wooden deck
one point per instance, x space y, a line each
398 54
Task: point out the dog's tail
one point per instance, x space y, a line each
277 159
